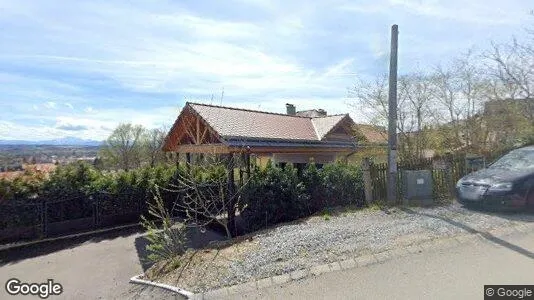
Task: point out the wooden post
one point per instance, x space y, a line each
450 173
247 159
367 181
188 161
231 195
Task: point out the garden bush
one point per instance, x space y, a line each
274 195
342 185
277 195
71 191
27 186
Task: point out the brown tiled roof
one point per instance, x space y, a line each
233 122
373 134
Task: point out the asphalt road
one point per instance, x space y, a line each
96 268
100 267
457 273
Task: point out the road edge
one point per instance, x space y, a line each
136 280
354 262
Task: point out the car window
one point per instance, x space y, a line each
516 160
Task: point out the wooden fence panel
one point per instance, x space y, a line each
444 177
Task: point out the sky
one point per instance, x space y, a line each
79 68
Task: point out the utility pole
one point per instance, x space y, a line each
392 118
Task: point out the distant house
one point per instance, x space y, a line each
294 137
371 134
372 143
524 107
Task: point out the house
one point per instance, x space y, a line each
294 137
371 134
523 107
372 143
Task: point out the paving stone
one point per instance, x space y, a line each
299 274
348 264
365 260
242 288
390 254
321 269
281 279
383 256
522 228
468 238
335 266
502 231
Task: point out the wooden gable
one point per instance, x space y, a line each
343 131
190 133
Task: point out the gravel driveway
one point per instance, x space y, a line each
322 239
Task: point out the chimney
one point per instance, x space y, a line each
321 112
290 109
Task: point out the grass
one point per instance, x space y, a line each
326 213
174 264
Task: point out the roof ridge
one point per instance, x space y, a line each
336 115
249 110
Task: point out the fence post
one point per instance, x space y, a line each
368 185
450 167
231 194
98 210
45 218
93 205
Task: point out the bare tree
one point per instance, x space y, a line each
370 97
511 66
123 148
514 68
415 99
153 142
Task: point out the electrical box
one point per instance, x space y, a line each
417 187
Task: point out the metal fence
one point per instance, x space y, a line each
38 218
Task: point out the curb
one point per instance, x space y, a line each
359 261
171 288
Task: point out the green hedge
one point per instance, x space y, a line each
71 190
277 195
274 195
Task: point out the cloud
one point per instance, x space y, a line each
50 105
94 64
72 127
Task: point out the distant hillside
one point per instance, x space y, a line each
67 141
